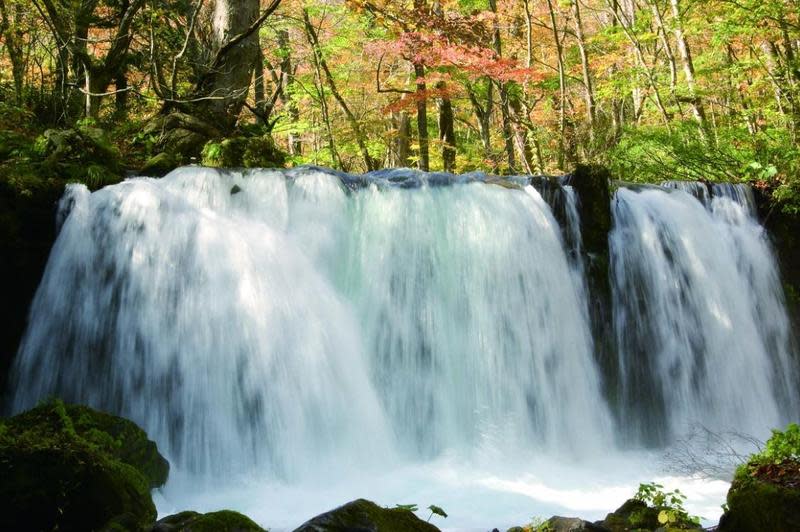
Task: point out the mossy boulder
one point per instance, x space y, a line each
83 154
160 164
223 521
365 516
637 516
65 468
180 134
764 497
632 515
243 152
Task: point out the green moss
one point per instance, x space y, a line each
755 505
243 152
72 468
222 521
362 514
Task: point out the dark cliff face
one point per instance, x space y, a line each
27 232
784 231
593 186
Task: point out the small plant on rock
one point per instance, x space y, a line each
669 504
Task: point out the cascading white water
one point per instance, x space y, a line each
701 327
331 336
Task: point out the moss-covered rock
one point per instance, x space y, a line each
72 468
243 152
365 516
223 521
632 515
758 501
160 164
83 154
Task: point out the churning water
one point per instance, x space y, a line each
293 340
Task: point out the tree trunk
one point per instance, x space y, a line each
447 133
287 73
587 74
313 40
403 139
688 67
508 132
121 98
562 86
422 118
483 111
223 87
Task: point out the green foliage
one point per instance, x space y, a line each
769 159
436 510
669 505
783 446
222 521
407 507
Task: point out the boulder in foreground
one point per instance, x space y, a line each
365 516
223 521
71 468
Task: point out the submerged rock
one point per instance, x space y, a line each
365 516
71 468
223 521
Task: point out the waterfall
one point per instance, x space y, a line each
253 320
701 328
298 324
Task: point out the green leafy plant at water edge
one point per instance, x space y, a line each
407 507
668 503
781 447
436 510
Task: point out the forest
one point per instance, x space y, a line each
689 89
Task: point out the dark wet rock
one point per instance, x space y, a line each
222 521
593 187
572 524
365 516
71 468
632 515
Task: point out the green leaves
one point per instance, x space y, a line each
669 503
437 511
783 445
